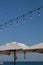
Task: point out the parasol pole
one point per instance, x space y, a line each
24 55
15 57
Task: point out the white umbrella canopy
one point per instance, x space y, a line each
14 46
10 46
37 48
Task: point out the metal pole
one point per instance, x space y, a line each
14 57
24 55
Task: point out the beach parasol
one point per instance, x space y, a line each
37 48
13 47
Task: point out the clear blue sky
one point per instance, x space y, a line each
28 33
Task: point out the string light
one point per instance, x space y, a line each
10 22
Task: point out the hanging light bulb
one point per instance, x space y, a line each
6 25
11 23
23 19
0 27
30 16
17 21
38 13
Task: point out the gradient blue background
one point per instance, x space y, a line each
29 33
